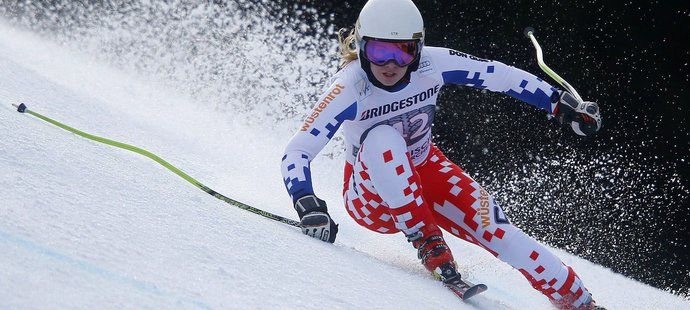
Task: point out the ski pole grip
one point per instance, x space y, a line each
528 30
21 108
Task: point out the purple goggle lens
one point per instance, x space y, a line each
402 53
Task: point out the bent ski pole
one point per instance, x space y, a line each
23 109
529 33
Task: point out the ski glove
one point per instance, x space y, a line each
583 116
314 219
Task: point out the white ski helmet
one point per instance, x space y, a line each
389 19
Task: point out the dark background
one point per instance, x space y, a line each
619 199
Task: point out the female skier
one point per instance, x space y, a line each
396 180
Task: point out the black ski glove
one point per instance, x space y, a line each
314 218
582 116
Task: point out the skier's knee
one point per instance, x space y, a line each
382 139
384 134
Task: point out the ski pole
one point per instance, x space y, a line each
23 109
529 33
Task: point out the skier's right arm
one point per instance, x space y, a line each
336 105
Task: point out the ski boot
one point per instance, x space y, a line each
566 304
436 257
590 305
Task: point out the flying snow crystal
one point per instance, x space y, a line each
239 56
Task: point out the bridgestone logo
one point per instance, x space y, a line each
401 104
322 105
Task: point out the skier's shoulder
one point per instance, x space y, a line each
434 51
346 74
436 54
352 77
443 54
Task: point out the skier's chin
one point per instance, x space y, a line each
388 75
388 78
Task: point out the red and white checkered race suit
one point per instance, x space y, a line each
397 180
438 192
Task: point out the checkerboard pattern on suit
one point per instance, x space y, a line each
438 193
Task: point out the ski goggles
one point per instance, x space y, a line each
381 52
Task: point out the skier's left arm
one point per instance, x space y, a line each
463 69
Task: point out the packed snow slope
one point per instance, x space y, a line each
85 225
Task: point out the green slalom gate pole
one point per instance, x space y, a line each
529 33
23 109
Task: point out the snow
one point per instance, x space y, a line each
85 225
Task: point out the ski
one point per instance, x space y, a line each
465 289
